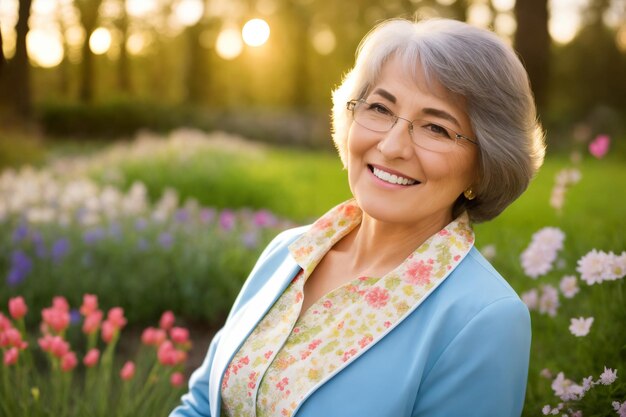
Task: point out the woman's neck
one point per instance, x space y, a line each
376 247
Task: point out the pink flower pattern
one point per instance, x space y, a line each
285 356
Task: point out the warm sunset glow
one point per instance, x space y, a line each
137 43
255 32
229 44
564 28
100 41
324 41
189 12
44 48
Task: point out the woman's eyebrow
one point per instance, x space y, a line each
386 94
442 114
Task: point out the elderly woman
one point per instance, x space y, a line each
383 307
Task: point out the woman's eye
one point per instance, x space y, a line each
437 130
378 108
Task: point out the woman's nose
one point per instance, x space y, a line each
397 143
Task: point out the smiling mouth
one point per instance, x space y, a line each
391 178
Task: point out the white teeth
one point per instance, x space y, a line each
391 178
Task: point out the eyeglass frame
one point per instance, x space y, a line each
351 105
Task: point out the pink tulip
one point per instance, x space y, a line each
599 146
179 335
17 307
11 356
116 317
11 337
90 304
92 322
60 303
177 379
167 354
108 331
128 371
56 318
167 320
59 347
148 336
45 343
68 362
91 358
5 323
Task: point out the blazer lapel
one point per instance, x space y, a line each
242 323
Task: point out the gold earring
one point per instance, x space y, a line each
469 194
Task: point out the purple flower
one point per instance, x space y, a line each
115 230
74 316
141 223
227 220
166 240
264 218
20 233
250 239
181 215
93 236
21 265
40 247
142 245
59 249
207 215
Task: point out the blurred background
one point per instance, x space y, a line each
265 68
150 149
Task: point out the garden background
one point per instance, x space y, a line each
149 150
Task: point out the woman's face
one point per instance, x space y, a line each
436 178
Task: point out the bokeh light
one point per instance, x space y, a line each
189 12
255 32
100 41
324 40
45 47
229 44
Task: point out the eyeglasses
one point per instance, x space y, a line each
424 133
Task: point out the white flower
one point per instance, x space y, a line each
588 383
549 238
489 251
608 376
569 286
580 326
538 257
565 388
546 410
549 301
594 267
546 373
537 262
531 299
617 267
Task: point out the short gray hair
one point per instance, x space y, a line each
486 73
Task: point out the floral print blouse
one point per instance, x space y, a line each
286 357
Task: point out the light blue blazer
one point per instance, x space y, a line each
463 352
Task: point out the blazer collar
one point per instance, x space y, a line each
242 323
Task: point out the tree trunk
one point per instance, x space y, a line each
532 41
123 68
88 10
2 59
19 68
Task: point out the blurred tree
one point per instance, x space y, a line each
594 64
532 41
2 59
198 70
16 78
123 64
64 76
88 11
